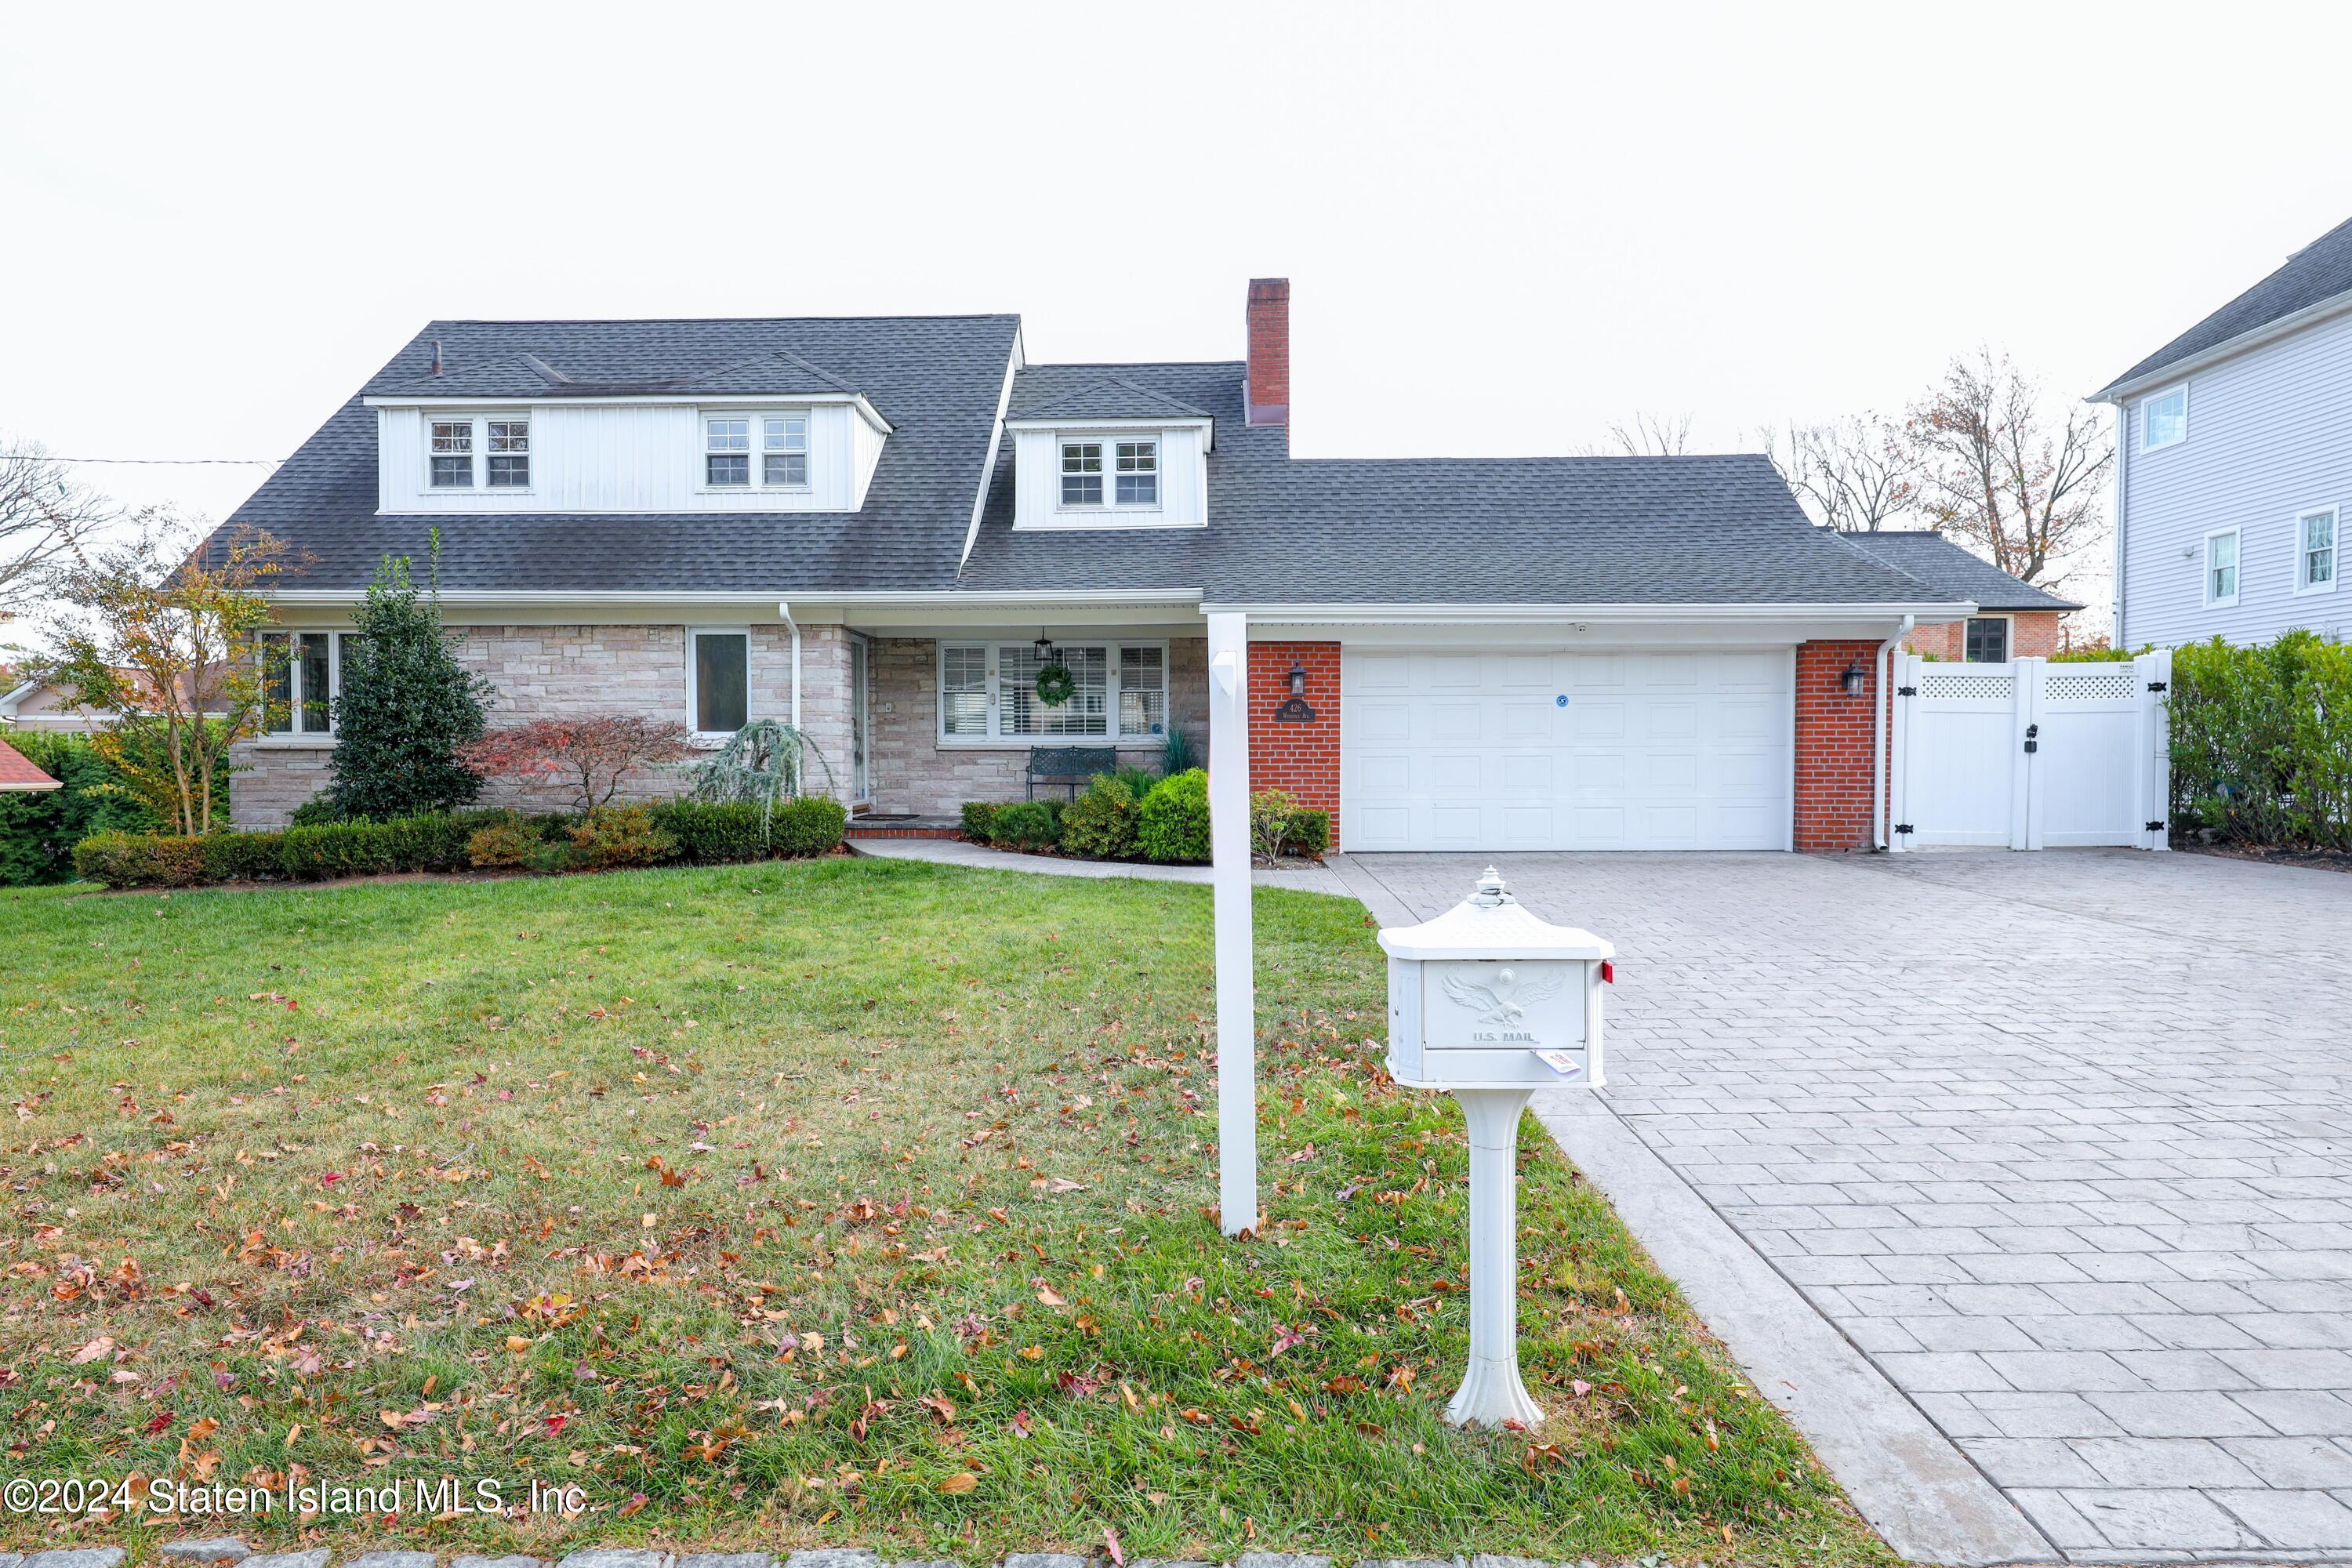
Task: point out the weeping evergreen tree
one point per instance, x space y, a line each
765 761
406 705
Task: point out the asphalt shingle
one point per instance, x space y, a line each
2320 270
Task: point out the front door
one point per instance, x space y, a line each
861 791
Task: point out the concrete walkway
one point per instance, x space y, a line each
2060 1143
956 852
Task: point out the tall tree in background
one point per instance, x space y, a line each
164 634
1996 470
407 704
44 512
1648 435
1858 474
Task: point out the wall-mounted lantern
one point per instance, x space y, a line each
1855 680
1043 648
1295 708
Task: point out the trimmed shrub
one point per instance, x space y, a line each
501 845
1028 824
318 811
140 860
1101 823
1279 825
1172 825
620 835
244 856
1311 831
714 833
811 825
405 703
980 819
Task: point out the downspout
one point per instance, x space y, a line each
785 610
1878 727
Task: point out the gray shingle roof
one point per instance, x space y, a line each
936 378
1657 530
2320 270
1953 571
1044 392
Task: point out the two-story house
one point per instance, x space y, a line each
882 528
2234 464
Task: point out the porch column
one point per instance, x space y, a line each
1229 846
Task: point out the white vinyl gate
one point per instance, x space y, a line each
2030 756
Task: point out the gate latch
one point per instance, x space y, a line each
2156 827
2030 743
1903 827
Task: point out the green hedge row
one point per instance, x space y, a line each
2261 742
1125 817
40 830
691 832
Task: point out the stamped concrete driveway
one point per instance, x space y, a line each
2063 1143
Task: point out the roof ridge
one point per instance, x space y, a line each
700 320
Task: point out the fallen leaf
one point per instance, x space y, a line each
92 1351
959 1483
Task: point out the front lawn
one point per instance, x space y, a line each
846 1201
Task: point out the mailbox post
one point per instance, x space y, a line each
1490 1004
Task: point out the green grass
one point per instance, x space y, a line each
846 1201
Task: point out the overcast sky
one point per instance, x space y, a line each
1506 227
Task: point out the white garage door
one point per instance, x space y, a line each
1511 749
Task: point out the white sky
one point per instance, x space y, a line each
1506 227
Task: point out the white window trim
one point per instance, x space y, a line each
2008 640
996 741
480 423
755 433
2157 397
530 453
693 683
807 453
2303 587
295 694
1109 505
2205 570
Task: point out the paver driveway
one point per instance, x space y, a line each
2062 1142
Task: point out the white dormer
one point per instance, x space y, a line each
773 434
1115 454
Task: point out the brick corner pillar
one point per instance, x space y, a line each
1301 758
1834 744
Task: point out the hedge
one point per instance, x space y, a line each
675 831
1171 825
1129 816
39 829
2261 742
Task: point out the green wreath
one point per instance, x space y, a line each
1055 684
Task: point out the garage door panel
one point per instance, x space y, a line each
1458 749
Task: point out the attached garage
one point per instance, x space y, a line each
1494 749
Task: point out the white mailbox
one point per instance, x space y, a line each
1491 1003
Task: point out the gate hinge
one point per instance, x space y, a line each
1907 692
2156 827
2156 685
1902 827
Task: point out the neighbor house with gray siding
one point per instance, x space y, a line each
2234 459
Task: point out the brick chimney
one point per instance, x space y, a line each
1269 351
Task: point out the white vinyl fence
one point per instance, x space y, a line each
2028 754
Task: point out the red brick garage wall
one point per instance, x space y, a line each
1302 759
1835 742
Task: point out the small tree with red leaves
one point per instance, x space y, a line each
593 753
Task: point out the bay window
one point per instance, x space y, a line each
988 693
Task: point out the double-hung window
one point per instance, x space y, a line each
719 670
453 454
1134 472
1987 641
1138 473
783 450
727 452
988 693
302 678
510 454
2164 418
2314 551
2222 568
1082 473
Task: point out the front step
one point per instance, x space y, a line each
871 826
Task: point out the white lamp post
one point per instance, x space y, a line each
1491 1003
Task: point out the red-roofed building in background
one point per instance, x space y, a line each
16 774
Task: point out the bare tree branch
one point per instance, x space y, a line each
1648 435
1858 474
1998 471
45 514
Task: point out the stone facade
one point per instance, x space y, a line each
913 772
553 672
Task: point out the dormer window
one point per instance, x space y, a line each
783 450
727 452
1138 473
510 454
1082 473
453 454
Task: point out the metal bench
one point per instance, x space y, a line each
1076 766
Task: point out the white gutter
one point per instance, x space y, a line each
1878 766
1936 610
785 609
822 596
2165 374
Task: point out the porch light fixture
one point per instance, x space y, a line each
1299 680
1854 680
1295 708
1043 648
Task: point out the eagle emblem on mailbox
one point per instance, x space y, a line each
1504 999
